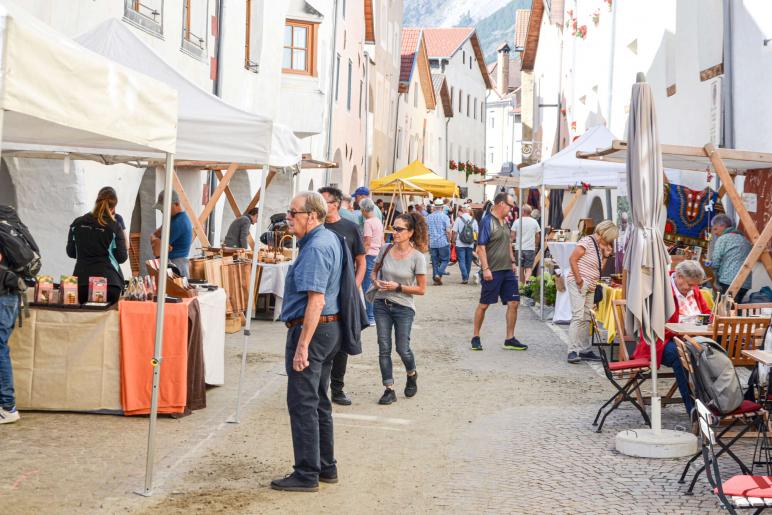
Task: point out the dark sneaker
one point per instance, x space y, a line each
411 388
514 344
330 477
292 483
589 356
476 344
573 357
465 281
339 397
388 397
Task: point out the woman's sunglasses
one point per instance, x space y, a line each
400 229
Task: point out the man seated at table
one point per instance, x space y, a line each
685 284
238 232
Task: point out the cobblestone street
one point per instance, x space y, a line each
489 432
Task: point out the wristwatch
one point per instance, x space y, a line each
399 288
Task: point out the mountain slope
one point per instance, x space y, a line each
493 19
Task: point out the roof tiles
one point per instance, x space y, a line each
410 40
443 42
521 27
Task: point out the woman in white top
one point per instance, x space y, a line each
400 273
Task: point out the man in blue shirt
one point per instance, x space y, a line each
310 311
439 240
180 234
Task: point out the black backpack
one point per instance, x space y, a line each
467 232
715 377
21 254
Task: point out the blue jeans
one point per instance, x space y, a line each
389 314
440 260
9 308
464 261
671 359
366 282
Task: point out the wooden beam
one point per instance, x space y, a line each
197 228
209 207
759 247
737 202
229 195
571 203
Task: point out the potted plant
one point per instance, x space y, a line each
453 165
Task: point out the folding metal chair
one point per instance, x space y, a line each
750 414
633 372
739 492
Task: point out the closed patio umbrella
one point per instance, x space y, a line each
649 298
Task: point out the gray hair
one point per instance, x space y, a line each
367 205
690 269
722 219
314 203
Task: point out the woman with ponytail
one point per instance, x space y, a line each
398 274
97 242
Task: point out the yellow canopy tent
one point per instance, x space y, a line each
414 179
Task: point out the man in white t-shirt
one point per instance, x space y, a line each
530 230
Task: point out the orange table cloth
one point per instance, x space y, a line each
137 322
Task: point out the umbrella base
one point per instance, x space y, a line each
645 443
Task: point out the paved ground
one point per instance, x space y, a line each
490 432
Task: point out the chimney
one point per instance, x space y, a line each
502 69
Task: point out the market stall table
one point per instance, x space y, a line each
561 252
272 281
679 329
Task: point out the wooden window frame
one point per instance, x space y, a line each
312 34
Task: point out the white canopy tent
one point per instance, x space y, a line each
114 112
210 129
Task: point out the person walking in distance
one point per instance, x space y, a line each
373 235
350 232
439 240
311 313
530 230
494 251
399 274
587 261
465 231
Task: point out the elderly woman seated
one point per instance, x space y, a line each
685 284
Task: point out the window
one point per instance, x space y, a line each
343 9
491 160
399 142
493 123
475 108
468 104
415 97
299 48
195 17
254 42
452 97
147 14
470 62
463 57
337 76
348 96
460 101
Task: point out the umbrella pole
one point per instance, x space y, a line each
251 299
159 326
541 263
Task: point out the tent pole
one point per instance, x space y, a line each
251 299
541 251
159 325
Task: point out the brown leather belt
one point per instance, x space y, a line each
324 319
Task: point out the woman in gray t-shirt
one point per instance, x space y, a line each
399 273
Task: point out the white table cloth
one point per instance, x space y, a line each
212 305
272 281
561 252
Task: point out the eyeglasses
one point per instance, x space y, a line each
400 229
511 206
292 213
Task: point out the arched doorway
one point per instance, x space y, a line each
596 210
336 174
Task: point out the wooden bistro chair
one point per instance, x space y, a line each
736 334
633 373
740 492
749 415
751 310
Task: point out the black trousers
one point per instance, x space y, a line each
309 406
338 371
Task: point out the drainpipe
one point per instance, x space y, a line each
217 90
331 88
728 133
366 93
447 157
396 135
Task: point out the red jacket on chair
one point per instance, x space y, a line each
642 350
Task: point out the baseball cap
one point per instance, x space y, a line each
361 191
160 202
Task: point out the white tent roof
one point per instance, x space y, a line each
209 128
564 169
103 109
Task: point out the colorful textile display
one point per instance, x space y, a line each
686 213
